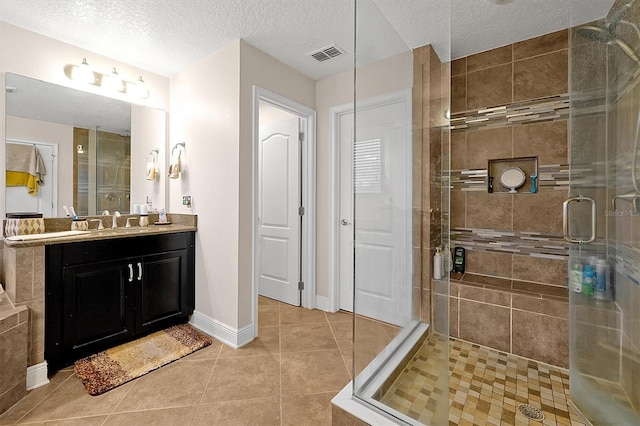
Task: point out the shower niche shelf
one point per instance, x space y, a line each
513 176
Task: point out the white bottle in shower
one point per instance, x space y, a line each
438 264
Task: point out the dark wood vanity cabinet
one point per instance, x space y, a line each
105 292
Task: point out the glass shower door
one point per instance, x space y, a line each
602 222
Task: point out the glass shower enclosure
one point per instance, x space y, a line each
602 218
395 165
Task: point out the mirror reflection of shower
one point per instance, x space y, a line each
101 169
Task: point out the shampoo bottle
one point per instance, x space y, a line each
602 280
438 264
576 277
588 280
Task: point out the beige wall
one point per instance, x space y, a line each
258 68
148 131
23 129
204 114
375 79
215 119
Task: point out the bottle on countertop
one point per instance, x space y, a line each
162 217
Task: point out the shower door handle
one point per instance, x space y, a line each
565 219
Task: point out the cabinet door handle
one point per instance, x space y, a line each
130 272
139 271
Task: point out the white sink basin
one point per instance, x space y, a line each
46 235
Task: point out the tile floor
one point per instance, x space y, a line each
485 386
287 376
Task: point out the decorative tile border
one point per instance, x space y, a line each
543 109
534 244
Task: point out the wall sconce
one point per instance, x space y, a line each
112 82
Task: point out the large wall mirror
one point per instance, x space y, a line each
89 151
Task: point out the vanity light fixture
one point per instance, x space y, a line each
83 73
112 82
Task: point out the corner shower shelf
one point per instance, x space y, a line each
542 109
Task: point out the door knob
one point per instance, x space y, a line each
344 222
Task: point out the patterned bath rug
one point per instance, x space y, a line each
111 368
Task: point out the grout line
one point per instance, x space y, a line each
204 391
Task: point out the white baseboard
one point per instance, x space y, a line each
322 303
37 375
231 336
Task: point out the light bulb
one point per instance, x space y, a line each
83 73
140 89
113 82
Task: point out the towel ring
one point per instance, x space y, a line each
182 144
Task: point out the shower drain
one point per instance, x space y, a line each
531 412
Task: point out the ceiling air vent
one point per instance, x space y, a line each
326 53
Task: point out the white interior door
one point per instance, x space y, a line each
19 200
376 169
278 247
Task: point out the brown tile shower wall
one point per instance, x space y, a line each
430 100
522 71
510 300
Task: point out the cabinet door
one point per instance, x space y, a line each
98 307
161 286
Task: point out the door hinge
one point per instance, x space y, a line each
301 136
300 211
300 285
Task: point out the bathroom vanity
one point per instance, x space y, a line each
105 292
93 291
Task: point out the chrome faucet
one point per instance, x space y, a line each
116 215
128 225
100 225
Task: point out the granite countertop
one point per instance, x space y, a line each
179 223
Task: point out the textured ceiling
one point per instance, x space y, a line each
166 36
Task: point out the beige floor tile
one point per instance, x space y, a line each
263 412
267 343
33 398
294 315
265 302
268 317
80 421
244 378
313 372
340 316
343 333
71 399
307 337
174 385
303 410
162 417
